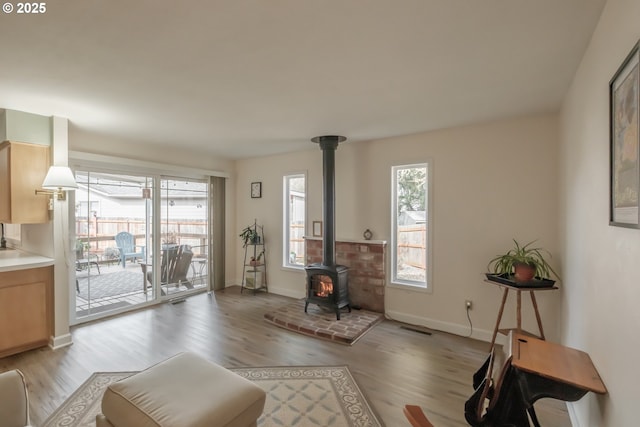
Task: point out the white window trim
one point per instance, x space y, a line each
285 218
406 284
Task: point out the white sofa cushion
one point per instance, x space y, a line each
183 391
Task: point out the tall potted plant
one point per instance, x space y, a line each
249 235
523 263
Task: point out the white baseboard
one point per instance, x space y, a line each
278 291
287 292
438 325
60 341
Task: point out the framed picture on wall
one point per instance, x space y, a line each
256 190
317 228
624 106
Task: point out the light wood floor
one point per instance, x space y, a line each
393 366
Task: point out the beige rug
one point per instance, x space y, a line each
296 396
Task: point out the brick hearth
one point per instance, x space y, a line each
366 260
321 322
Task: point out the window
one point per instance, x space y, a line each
295 215
411 217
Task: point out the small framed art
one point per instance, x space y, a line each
256 190
317 228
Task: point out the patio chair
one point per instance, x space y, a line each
167 262
178 274
174 266
85 261
126 243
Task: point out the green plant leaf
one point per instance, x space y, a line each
523 254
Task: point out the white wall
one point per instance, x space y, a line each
79 140
492 182
3 125
268 211
175 155
599 310
26 127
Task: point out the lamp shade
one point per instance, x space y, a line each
59 177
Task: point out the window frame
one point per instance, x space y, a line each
414 285
286 219
95 163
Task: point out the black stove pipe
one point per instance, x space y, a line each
328 145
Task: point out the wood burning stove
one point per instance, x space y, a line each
328 283
328 286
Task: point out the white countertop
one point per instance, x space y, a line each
14 259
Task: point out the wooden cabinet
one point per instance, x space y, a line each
22 169
26 309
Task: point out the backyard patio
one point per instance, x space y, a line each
114 287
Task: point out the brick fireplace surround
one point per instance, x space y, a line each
366 260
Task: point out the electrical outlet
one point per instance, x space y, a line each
468 304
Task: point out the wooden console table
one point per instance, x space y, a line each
518 291
533 369
545 369
555 363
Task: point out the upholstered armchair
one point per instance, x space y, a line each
14 400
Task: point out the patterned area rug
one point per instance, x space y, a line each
296 396
321 323
110 284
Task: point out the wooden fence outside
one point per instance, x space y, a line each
412 246
100 233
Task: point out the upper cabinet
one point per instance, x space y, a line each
22 170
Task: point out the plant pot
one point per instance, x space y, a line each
523 272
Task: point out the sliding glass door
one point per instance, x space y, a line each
119 264
185 238
114 214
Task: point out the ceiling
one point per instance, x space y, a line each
246 78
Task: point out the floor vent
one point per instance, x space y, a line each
415 328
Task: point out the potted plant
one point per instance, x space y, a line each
254 261
81 248
249 235
523 263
